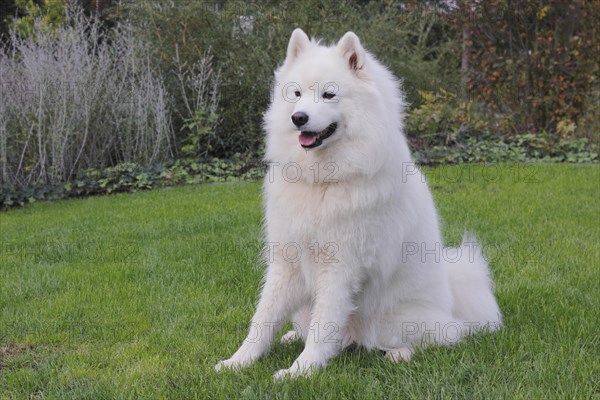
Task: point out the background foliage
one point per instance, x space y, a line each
486 81
76 97
536 63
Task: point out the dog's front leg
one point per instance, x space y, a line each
282 293
332 306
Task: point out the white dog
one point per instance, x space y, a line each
355 249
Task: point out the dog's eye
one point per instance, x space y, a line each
297 93
328 95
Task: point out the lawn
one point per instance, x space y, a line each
139 295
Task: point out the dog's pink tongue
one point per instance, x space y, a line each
307 140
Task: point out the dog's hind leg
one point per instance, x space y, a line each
418 327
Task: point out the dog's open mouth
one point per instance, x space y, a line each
310 140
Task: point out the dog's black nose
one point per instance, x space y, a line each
299 118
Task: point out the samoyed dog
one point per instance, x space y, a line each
355 253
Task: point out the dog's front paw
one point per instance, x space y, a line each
291 373
296 370
222 365
282 374
242 358
230 364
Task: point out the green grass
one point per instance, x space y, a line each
139 295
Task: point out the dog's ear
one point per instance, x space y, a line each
350 47
298 42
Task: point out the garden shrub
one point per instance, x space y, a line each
537 62
445 130
130 177
76 97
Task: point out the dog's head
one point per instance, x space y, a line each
316 82
334 103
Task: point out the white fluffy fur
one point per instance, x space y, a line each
372 269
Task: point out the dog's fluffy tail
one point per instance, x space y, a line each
472 287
